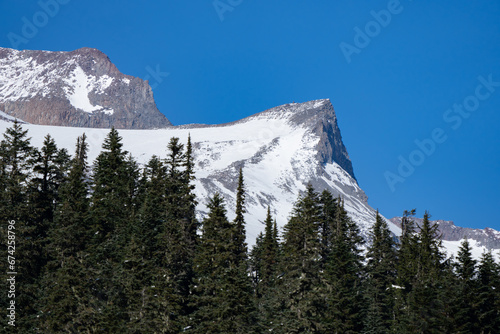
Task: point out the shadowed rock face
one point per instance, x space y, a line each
488 237
81 88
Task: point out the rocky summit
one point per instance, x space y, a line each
81 88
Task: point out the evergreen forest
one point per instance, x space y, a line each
111 246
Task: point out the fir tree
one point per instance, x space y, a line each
406 270
343 276
109 212
239 221
64 302
466 319
381 275
17 167
222 294
264 263
50 165
425 300
178 235
489 294
301 304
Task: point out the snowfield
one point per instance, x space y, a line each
278 157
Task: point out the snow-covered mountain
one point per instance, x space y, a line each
81 88
280 150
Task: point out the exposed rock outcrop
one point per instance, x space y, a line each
81 88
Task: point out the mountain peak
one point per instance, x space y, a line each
320 117
80 88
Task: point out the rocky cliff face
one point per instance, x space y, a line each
488 238
81 88
319 116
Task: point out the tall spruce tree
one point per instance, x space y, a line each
264 264
426 303
179 233
222 296
64 303
381 275
17 168
343 276
329 208
239 221
406 270
489 294
466 317
109 213
301 303
153 301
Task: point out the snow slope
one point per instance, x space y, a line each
279 156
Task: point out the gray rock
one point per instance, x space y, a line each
487 237
37 87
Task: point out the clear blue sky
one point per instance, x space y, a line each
395 82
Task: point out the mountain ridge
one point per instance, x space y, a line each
487 237
80 88
280 149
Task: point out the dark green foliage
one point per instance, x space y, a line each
489 294
301 303
421 302
222 291
177 238
117 250
264 264
64 300
381 276
343 276
239 221
466 303
17 165
110 211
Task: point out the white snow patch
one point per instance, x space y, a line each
79 87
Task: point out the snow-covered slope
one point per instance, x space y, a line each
280 150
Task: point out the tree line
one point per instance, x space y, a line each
117 248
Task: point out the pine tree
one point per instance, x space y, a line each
65 299
343 276
269 252
190 223
425 301
466 319
301 304
178 236
50 165
329 207
489 294
406 271
381 275
222 294
17 168
264 264
239 221
152 301
110 211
